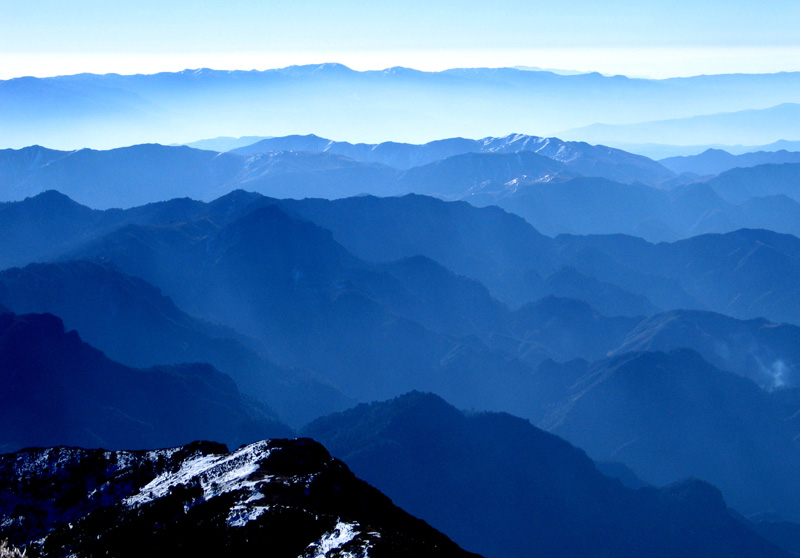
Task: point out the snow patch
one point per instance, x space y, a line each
241 515
216 474
342 534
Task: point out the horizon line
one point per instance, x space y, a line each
562 72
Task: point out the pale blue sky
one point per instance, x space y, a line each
680 37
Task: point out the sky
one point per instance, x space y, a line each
639 38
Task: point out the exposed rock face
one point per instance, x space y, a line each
274 498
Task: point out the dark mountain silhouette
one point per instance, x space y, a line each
43 226
134 324
500 486
716 161
49 224
275 497
499 249
673 415
731 273
59 390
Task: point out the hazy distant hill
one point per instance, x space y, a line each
224 143
763 351
741 185
715 161
659 151
102 111
751 126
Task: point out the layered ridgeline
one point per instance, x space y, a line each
557 186
748 127
72 395
277 498
502 487
133 323
732 273
371 251
59 390
300 166
106 110
716 161
375 297
673 415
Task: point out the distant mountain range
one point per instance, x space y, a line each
111 110
244 290
578 157
309 166
658 151
716 161
751 126
559 187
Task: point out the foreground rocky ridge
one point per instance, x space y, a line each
274 497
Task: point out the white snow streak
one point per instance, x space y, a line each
217 474
342 534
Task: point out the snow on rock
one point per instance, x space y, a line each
217 474
342 534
